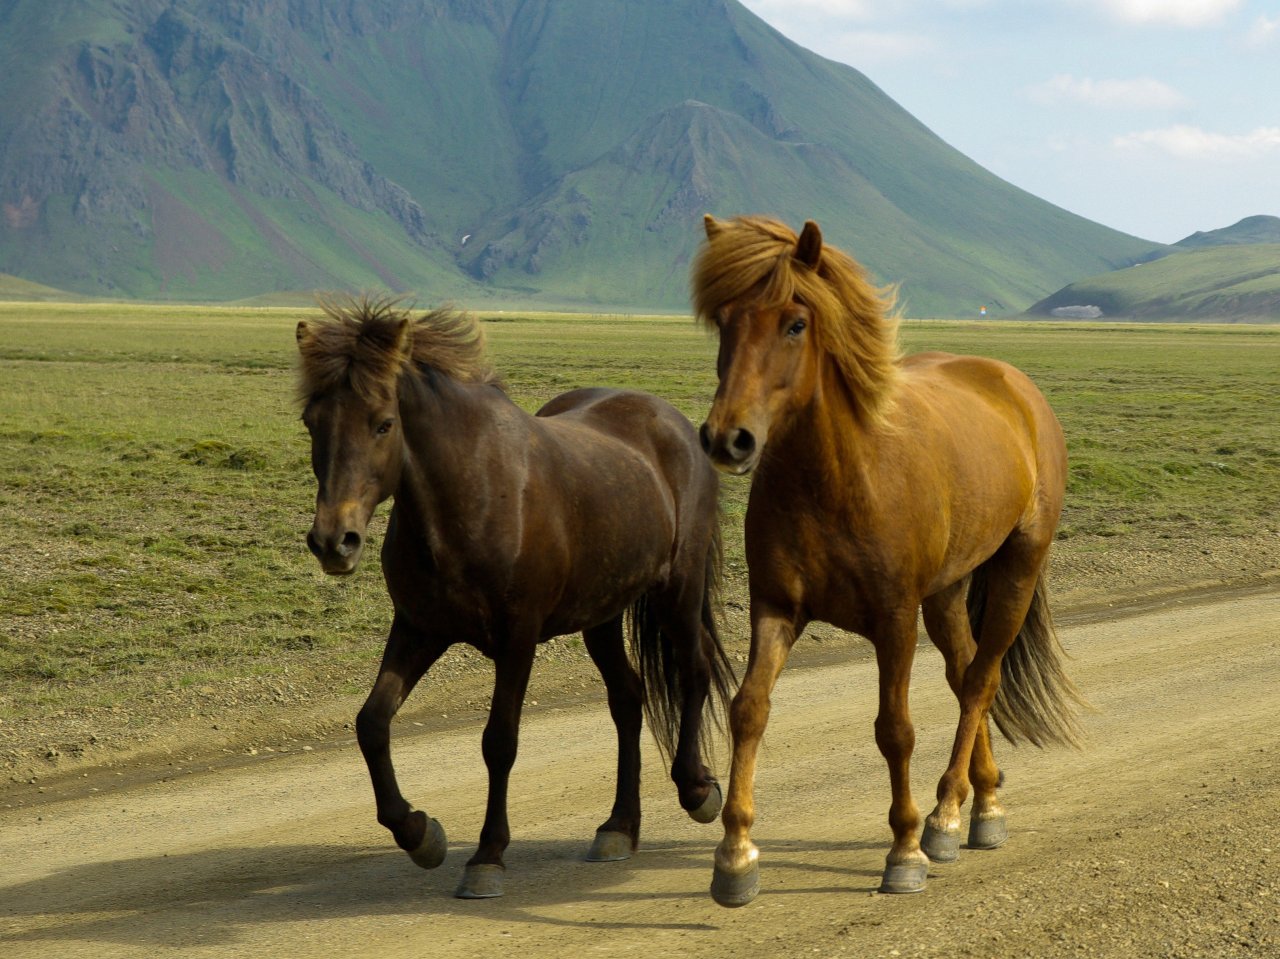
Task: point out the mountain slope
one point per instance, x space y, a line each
537 151
1252 229
1223 282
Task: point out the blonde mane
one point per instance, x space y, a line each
361 342
853 321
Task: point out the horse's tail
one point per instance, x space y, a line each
664 685
723 679
1037 700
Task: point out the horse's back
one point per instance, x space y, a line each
976 374
615 410
968 390
1002 446
623 479
619 424
644 423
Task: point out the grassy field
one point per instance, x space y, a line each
155 485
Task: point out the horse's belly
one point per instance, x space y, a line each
605 582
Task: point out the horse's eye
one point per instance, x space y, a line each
796 328
385 426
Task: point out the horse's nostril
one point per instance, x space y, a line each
742 443
313 544
704 437
350 543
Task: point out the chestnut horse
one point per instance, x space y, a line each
509 529
880 486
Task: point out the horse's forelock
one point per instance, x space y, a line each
358 343
362 343
746 256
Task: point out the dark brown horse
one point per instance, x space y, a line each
509 529
880 486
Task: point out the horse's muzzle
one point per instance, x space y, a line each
734 451
338 552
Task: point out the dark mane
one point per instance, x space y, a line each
367 342
854 322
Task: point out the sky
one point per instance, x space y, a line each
1156 117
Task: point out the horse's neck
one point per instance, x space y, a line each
449 430
828 444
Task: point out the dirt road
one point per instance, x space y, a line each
1159 839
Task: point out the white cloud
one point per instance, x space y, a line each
1141 93
869 47
1181 13
1188 142
1265 30
841 29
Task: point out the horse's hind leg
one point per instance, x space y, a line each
619 835
408 656
1011 582
946 619
482 878
696 784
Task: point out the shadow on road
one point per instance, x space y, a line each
211 897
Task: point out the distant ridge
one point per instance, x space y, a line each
1231 282
555 153
1252 229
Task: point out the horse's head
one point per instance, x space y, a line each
767 363
786 309
354 419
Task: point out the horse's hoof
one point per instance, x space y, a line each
710 807
989 833
609 846
732 890
481 880
904 877
940 845
430 852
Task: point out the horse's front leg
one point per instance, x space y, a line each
483 876
409 654
895 639
736 879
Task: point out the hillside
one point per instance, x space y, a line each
1231 282
16 288
1252 229
488 151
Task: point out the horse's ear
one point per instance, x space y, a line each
303 332
711 225
404 339
809 246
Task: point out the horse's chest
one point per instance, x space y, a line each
830 567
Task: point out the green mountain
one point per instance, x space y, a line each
1252 229
1232 282
534 152
16 288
